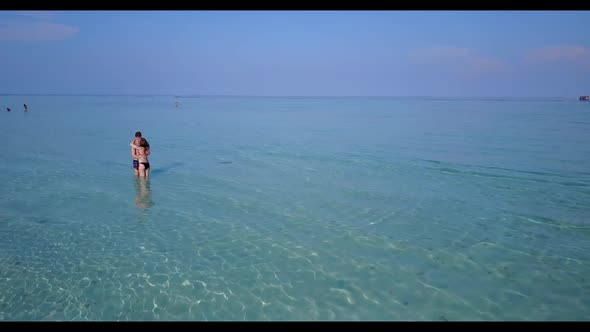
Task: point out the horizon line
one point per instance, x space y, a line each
276 96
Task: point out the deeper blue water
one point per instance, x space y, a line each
295 209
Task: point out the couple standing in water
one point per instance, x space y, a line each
140 150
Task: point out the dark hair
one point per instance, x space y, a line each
138 134
144 143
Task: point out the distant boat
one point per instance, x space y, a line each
586 98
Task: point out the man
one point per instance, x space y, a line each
134 153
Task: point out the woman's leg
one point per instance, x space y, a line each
141 170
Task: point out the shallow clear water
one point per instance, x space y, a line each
295 209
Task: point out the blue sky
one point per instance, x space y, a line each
297 53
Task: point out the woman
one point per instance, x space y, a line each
143 150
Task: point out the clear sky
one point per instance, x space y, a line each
297 53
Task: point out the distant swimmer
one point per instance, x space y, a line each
176 104
26 108
8 109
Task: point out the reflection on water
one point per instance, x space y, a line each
143 193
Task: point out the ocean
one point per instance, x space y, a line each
268 208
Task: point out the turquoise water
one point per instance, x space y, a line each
295 209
